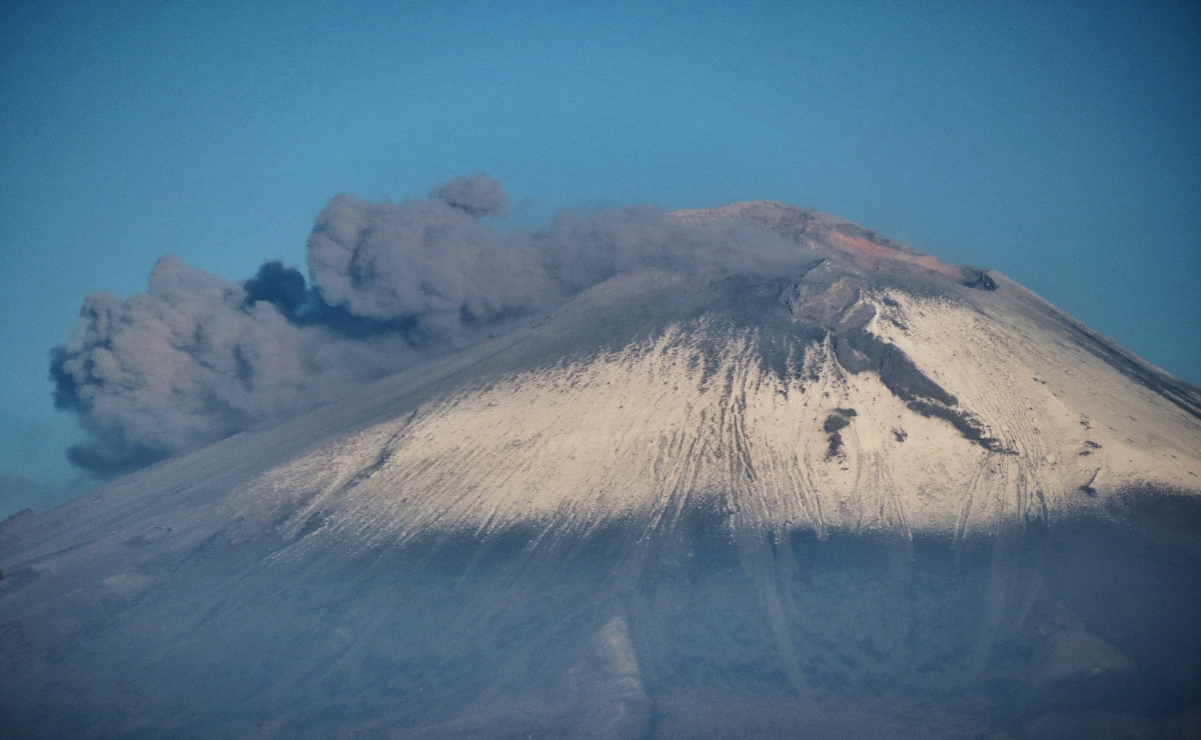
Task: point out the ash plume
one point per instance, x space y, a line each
423 258
476 195
197 358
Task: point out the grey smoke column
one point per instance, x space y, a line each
197 358
180 365
425 258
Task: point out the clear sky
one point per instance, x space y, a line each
1058 142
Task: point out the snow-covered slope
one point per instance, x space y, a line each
878 399
647 427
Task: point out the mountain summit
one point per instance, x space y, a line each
855 492
871 387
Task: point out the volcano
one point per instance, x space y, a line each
871 495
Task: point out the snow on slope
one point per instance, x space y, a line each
648 429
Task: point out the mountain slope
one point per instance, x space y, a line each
821 491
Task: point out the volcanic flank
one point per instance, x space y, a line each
959 400
850 491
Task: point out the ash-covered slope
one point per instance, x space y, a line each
868 492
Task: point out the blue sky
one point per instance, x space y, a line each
1059 143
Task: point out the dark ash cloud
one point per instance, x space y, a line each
421 258
183 364
280 286
197 358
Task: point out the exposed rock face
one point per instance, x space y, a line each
877 495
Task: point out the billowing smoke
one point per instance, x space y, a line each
424 258
476 195
196 358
